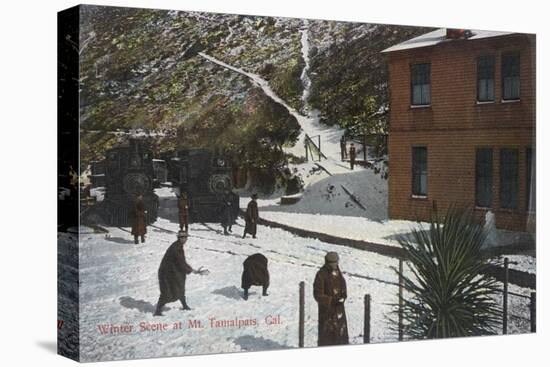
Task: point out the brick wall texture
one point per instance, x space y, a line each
455 125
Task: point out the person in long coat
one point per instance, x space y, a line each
251 217
255 272
226 212
352 155
139 226
172 273
329 290
183 212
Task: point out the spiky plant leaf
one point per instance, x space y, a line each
447 294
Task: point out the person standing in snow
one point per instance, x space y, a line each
172 274
329 290
226 212
352 155
139 226
183 211
251 217
343 150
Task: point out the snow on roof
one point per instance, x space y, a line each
439 36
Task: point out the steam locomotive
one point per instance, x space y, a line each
206 177
127 172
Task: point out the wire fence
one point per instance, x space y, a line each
506 315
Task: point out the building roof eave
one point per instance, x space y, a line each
438 37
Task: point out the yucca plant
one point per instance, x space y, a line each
447 294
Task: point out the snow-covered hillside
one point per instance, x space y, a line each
330 137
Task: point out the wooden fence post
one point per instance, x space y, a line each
366 331
533 308
400 311
301 317
505 299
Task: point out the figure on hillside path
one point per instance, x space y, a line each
183 207
343 150
352 156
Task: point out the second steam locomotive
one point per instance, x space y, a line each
206 177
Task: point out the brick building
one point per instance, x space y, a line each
462 125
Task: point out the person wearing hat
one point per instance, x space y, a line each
172 274
343 151
251 217
139 225
329 290
226 211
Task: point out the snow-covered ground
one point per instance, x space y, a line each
119 286
119 279
385 233
361 194
351 205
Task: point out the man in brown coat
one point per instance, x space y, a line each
183 207
255 273
329 290
139 226
172 274
251 217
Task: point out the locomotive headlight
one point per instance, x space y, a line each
220 162
135 183
219 183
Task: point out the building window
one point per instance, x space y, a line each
420 171
530 165
510 76
509 178
484 177
420 84
486 79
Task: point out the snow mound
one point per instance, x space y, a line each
358 194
